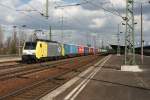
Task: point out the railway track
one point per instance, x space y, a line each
23 69
62 74
12 65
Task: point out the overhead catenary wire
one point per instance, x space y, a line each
77 21
22 12
13 9
40 12
109 2
70 5
116 13
112 12
66 12
116 10
74 5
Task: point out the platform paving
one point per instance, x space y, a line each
110 83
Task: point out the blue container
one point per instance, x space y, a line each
67 49
70 49
86 50
73 49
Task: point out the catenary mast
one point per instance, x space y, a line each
129 38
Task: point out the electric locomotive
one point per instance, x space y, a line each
41 50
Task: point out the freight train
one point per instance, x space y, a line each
43 50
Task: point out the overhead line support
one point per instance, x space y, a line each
129 37
47 5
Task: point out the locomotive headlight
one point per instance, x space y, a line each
28 52
24 53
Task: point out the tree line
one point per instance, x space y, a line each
10 44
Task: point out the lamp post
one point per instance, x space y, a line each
142 41
93 36
23 26
141 33
118 39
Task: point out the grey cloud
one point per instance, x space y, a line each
78 24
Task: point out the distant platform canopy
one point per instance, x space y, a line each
137 49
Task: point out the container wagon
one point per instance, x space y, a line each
80 50
86 50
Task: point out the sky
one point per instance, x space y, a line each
81 24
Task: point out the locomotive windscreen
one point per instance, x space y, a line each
30 45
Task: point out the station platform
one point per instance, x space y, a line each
105 81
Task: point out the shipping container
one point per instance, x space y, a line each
70 49
67 49
91 50
73 49
80 50
86 50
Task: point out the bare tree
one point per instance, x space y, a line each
14 41
1 37
21 39
1 40
8 42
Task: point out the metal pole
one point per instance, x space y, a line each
14 41
19 43
94 41
118 39
141 33
87 43
133 35
125 57
62 22
102 43
47 9
50 33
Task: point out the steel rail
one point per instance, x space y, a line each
42 81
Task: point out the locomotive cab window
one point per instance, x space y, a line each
30 45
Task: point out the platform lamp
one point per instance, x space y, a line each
142 41
94 35
23 26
